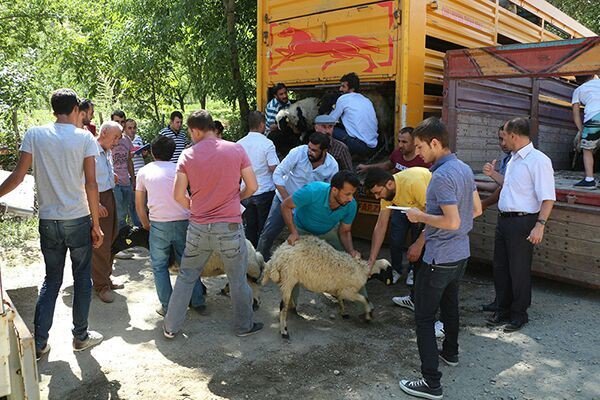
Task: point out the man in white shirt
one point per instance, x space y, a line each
358 117
263 157
526 200
587 95
304 164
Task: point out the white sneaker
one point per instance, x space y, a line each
404 301
123 255
93 339
439 329
410 278
395 277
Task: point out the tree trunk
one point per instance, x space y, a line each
154 101
203 101
236 74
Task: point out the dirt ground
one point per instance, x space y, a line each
556 356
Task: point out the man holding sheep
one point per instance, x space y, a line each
452 202
325 210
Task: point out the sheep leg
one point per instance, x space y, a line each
343 312
286 294
353 296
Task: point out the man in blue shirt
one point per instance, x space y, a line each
279 101
452 202
324 210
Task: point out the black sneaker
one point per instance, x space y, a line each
449 360
257 327
497 320
583 184
420 388
492 307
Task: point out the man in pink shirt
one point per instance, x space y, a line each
212 168
167 222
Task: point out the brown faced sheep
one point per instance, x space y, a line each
316 265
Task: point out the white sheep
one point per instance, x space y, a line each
316 265
214 267
300 115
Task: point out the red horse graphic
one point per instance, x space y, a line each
342 48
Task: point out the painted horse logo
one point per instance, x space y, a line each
342 48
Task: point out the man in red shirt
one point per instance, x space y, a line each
212 168
403 157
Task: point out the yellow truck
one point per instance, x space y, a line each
396 47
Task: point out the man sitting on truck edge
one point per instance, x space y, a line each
357 114
588 95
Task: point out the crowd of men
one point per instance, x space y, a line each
208 195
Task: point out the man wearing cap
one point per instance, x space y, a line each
339 150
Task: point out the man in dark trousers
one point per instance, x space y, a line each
452 202
526 200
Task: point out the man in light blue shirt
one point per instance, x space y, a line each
304 164
358 117
110 134
279 101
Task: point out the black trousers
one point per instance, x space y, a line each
255 215
512 266
437 287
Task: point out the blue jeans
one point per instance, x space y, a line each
356 146
227 239
135 221
272 229
56 236
255 215
437 287
123 195
400 227
164 238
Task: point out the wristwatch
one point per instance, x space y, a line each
542 221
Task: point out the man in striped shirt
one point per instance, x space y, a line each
174 131
138 162
280 100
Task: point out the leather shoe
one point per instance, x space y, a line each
513 326
106 295
496 320
116 286
492 307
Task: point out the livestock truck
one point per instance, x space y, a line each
397 48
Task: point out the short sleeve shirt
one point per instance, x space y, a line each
58 152
262 154
156 179
213 168
588 95
411 187
400 163
452 183
313 212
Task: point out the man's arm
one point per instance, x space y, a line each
140 208
251 185
180 190
287 208
537 233
449 220
491 199
577 116
18 174
282 170
487 186
477 208
93 198
345 233
489 169
416 249
379 234
131 170
386 165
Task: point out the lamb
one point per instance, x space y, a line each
214 267
318 267
300 115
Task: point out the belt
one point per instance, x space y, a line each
508 214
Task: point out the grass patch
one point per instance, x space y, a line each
19 241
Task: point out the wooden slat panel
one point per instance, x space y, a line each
434 66
517 28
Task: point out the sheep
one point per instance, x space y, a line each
318 267
133 236
300 115
214 267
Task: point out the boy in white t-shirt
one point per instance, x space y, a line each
587 95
